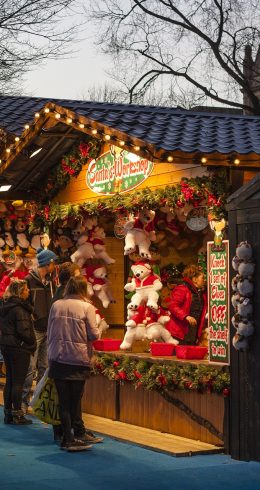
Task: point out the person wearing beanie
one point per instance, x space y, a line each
42 287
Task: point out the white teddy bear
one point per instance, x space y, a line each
99 285
101 322
96 236
84 251
245 327
140 233
145 284
244 251
145 323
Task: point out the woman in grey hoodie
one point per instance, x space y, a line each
71 329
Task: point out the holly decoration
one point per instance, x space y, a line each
174 376
70 166
212 190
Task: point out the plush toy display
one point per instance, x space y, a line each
140 233
146 323
84 251
101 322
145 284
97 239
168 221
98 284
242 285
21 236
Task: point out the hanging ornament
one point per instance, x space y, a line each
197 219
119 227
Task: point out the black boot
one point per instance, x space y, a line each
19 418
8 418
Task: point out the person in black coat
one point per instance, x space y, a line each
18 342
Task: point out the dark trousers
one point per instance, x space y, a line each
17 364
77 426
70 393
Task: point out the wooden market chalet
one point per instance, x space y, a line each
36 133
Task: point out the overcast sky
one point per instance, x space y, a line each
70 78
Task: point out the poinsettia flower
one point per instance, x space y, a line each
84 149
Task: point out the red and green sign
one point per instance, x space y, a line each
218 301
117 171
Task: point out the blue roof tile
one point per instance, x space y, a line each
167 128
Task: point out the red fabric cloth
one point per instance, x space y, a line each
179 305
146 282
7 276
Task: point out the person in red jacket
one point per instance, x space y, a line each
188 306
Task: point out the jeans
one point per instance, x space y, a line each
70 393
17 363
38 361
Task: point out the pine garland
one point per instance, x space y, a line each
163 377
70 166
166 379
207 191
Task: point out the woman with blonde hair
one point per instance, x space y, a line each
18 342
71 329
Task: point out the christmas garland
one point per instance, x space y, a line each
166 379
163 377
210 192
69 166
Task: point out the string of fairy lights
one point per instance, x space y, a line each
88 128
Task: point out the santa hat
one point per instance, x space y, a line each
143 264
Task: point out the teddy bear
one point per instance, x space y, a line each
97 239
246 269
245 287
145 285
155 322
21 237
240 342
145 323
245 327
63 242
244 307
84 251
79 230
36 238
98 284
140 233
101 322
244 251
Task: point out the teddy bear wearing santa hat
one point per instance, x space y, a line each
145 284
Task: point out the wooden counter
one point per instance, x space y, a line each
149 409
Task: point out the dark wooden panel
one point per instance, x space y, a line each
245 216
100 397
149 409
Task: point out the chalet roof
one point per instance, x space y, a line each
165 128
156 133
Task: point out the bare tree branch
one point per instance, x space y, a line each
200 41
30 32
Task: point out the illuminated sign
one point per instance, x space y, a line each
116 171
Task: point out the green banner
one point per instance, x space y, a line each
218 302
117 171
